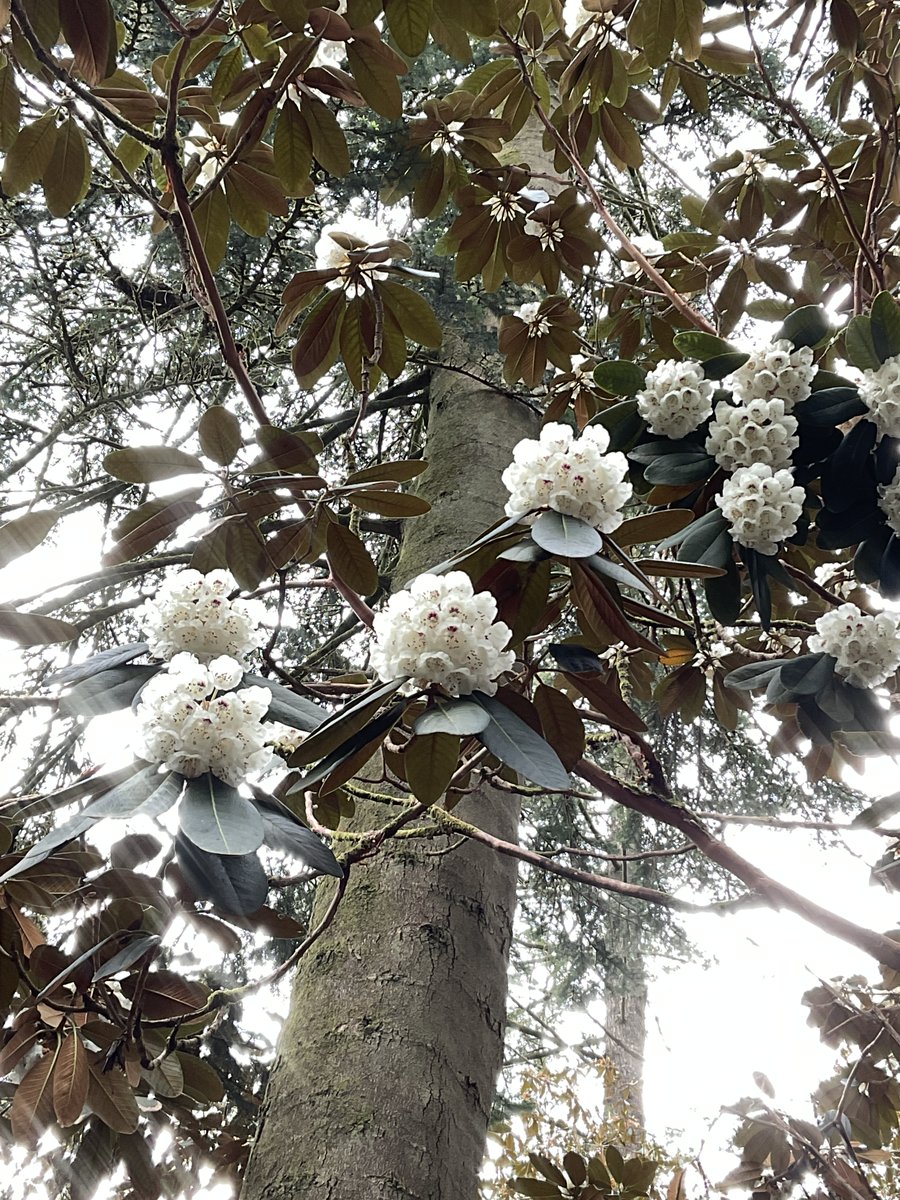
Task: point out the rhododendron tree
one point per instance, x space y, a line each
440 450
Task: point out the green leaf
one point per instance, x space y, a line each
285 831
430 760
808 674
68 174
517 745
754 676
723 364
29 629
127 797
408 21
350 561
220 435
859 344
292 149
213 219
461 717
829 407
567 537
623 423
885 325
389 504
218 819
29 155
694 343
147 464
620 377
413 314
235 883
805 326
23 534
878 812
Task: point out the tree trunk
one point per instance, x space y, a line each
387 1064
625 993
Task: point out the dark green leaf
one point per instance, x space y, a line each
805 326
116 656
807 674
236 883
461 717
565 536
285 831
623 423
860 345
516 744
107 692
286 706
694 343
218 819
619 377
577 659
885 326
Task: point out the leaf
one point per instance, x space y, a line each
517 745
220 434
136 948
694 343
213 220
236 884
23 534
877 813
461 717
408 21
623 423
127 797
10 106
201 1081
31 1111
283 830
89 27
111 1098
575 658
342 723
218 819
350 561
147 464
151 523
561 723
29 156
369 735
166 994
413 314
68 174
316 347
859 344
106 691
805 326
650 527
29 629
754 676
389 504
808 674
397 472
70 1080
885 326
619 573
430 760
286 706
619 377
606 699
567 537
292 149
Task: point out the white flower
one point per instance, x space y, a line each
676 398
548 233
889 501
866 648
650 247
756 431
439 631
185 722
191 612
776 369
283 738
762 507
572 475
538 325
503 207
446 140
880 392
331 255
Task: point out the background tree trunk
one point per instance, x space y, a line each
625 991
387 1064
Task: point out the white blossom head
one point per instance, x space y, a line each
186 722
331 255
756 431
440 632
776 369
191 612
866 648
889 501
538 325
649 246
762 506
880 392
572 475
676 398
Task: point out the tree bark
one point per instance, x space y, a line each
386 1067
625 994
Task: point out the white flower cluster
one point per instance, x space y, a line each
331 255
756 431
191 722
538 325
192 612
440 631
889 501
776 369
676 398
762 507
880 392
572 475
866 648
